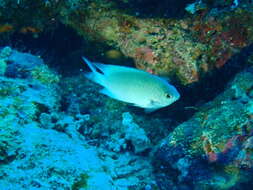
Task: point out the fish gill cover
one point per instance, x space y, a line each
58 132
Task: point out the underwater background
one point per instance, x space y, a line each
57 132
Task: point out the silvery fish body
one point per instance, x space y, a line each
133 86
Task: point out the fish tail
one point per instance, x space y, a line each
89 64
94 75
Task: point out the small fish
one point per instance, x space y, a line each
131 85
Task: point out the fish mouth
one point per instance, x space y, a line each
176 95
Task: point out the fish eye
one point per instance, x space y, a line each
168 96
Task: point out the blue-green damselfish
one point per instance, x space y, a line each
133 86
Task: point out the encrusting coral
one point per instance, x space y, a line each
56 147
184 49
215 144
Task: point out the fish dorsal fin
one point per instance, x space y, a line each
108 69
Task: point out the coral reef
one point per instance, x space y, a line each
184 49
63 133
65 140
54 160
3 65
63 149
213 148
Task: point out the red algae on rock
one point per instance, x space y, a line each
145 54
225 34
185 48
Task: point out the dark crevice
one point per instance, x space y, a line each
154 8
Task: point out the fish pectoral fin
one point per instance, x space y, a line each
149 110
153 103
152 106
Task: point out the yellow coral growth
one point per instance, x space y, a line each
44 75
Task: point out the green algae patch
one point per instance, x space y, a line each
82 183
43 74
3 67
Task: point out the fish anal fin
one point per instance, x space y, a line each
108 93
153 103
